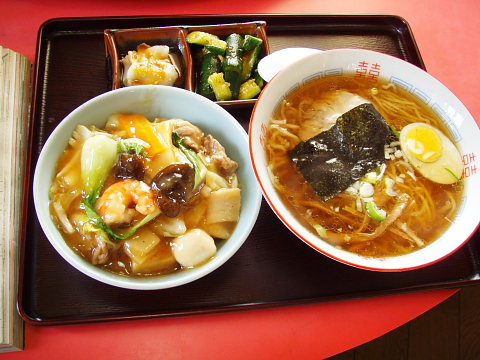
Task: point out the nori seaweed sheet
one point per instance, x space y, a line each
334 159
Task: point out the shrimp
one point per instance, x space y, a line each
114 206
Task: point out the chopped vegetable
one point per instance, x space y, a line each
258 79
395 131
389 184
138 126
250 61
375 212
194 158
366 189
381 171
88 227
453 174
233 54
132 146
249 89
220 87
96 220
236 62
233 63
210 41
235 80
99 155
210 64
251 42
371 177
321 231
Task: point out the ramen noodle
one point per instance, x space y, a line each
368 169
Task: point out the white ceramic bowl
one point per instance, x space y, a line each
152 101
461 124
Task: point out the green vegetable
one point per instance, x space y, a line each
395 131
96 220
88 227
193 157
99 155
220 87
250 60
251 42
132 146
210 41
233 54
249 89
233 63
235 80
258 79
237 65
321 231
210 64
375 212
371 177
453 174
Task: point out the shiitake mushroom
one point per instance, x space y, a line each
174 186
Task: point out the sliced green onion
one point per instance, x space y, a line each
381 171
321 231
371 177
395 131
453 174
375 212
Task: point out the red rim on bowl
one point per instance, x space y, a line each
405 75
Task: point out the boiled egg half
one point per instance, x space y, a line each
431 153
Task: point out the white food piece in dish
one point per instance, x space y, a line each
193 248
149 65
431 153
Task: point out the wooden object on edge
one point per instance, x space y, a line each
15 73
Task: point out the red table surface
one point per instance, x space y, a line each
446 33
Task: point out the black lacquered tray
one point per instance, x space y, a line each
273 268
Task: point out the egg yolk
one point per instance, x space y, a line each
424 143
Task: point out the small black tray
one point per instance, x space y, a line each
273 267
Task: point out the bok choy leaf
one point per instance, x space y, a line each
96 220
99 155
132 146
193 157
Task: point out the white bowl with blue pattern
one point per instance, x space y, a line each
463 128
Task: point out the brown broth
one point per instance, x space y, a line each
67 190
428 214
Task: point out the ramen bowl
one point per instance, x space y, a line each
373 66
152 101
